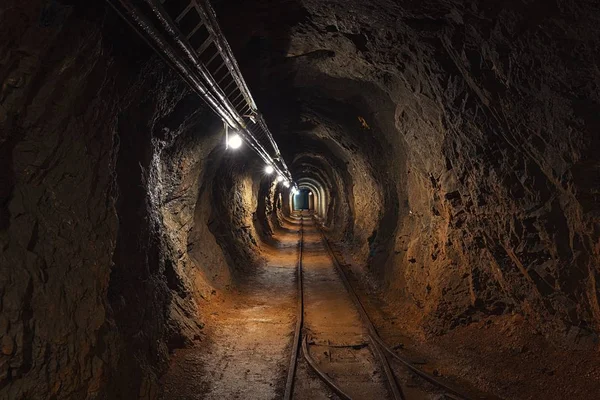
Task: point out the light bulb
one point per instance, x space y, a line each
286 184
269 169
235 141
279 178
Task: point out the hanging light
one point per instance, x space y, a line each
286 184
280 178
235 141
269 169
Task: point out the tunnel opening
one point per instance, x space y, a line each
301 200
439 160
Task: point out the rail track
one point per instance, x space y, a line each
380 350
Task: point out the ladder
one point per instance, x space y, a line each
186 34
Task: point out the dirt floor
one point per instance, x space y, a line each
500 356
248 341
333 325
246 351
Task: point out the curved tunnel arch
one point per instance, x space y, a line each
458 216
331 166
329 171
311 170
319 192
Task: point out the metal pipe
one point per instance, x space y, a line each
209 14
171 28
221 43
204 84
147 27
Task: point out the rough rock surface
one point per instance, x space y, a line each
59 226
454 145
106 203
468 135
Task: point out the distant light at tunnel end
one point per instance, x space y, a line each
269 169
235 141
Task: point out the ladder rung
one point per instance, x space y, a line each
239 104
204 45
233 91
236 97
212 58
214 64
218 76
184 12
194 31
176 7
219 68
246 109
229 84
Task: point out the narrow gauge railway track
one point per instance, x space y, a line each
378 347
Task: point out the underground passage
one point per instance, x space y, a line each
300 199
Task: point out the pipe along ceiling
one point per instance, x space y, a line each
452 150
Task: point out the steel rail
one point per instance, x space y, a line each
393 385
289 385
373 332
342 395
299 340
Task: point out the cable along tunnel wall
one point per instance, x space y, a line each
186 34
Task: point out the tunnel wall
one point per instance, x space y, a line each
495 212
115 224
478 131
233 220
457 144
60 94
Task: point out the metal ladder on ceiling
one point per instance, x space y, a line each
186 34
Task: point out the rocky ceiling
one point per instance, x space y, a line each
455 142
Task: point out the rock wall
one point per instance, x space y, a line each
474 125
235 200
510 226
457 145
112 207
58 96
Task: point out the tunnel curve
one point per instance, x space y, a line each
451 148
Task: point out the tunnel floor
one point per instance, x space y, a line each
337 340
248 343
245 352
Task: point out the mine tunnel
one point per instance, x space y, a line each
301 199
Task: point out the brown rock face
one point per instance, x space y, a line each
462 139
454 146
107 207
